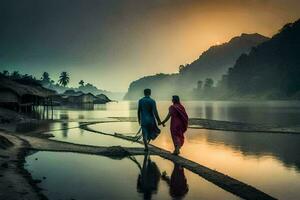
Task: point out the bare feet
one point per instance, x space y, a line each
176 151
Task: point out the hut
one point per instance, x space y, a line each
8 96
82 99
19 97
101 99
72 93
71 97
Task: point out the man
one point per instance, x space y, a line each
148 118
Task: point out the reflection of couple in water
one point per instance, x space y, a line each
148 118
149 178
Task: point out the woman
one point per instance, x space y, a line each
179 123
177 182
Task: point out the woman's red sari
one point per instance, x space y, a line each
179 123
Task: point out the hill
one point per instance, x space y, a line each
211 64
272 69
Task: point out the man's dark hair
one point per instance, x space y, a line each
176 99
147 92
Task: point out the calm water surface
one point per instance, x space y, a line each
274 112
270 162
81 177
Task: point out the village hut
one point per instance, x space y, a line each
72 93
72 97
101 99
18 96
82 99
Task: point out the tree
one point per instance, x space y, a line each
5 73
16 75
81 83
181 68
45 77
64 79
208 83
199 85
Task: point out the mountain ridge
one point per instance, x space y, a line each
272 68
218 57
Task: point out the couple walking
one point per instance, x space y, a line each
149 119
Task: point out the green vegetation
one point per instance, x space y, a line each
211 65
81 83
47 82
270 70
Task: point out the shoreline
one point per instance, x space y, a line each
38 142
15 181
220 125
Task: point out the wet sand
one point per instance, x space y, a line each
14 181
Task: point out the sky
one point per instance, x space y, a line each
110 43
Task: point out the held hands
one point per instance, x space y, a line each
161 123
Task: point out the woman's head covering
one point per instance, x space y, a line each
175 99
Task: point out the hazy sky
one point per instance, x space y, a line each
109 43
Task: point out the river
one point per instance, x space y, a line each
269 162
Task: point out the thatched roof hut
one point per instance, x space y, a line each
81 99
13 92
101 99
21 89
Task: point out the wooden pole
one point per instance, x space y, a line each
44 108
47 106
51 107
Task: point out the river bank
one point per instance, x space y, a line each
23 144
15 183
39 139
22 186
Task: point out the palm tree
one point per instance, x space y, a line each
81 83
64 79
